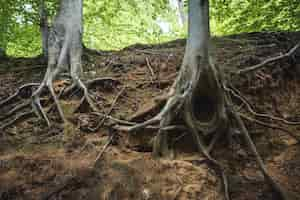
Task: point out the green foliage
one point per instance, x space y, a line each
19 30
108 24
114 24
236 16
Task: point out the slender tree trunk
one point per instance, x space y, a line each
197 95
44 28
2 53
181 13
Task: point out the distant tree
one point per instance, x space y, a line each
2 53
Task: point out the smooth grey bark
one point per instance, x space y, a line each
64 54
197 95
44 28
181 13
197 90
198 98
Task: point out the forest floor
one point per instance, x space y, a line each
37 162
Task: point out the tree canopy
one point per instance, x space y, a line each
113 24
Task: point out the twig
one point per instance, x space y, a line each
149 107
129 128
120 121
70 90
251 110
276 187
110 110
269 60
18 117
61 187
103 149
89 83
151 52
296 137
9 99
214 140
15 109
151 70
177 192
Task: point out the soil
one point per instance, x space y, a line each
37 162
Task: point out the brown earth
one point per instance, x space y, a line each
37 162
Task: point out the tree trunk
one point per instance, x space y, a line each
181 13
197 91
64 53
2 53
198 96
44 28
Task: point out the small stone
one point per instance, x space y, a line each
241 153
164 67
253 175
146 194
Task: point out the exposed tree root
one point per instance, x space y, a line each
269 60
15 109
251 110
36 101
36 104
193 86
103 150
64 53
70 183
238 95
182 102
109 112
16 94
276 187
290 133
17 118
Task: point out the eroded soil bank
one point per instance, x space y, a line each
37 162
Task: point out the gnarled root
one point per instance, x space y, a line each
35 100
197 98
281 193
17 118
201 102
36 103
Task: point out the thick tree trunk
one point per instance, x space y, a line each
64 53
198 88
198 98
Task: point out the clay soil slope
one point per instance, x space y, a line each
37 162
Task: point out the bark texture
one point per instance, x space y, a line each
64 53
198 98
181 13
197 91
44 28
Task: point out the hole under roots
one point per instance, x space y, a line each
205 98
204 108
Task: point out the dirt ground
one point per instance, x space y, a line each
37 162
